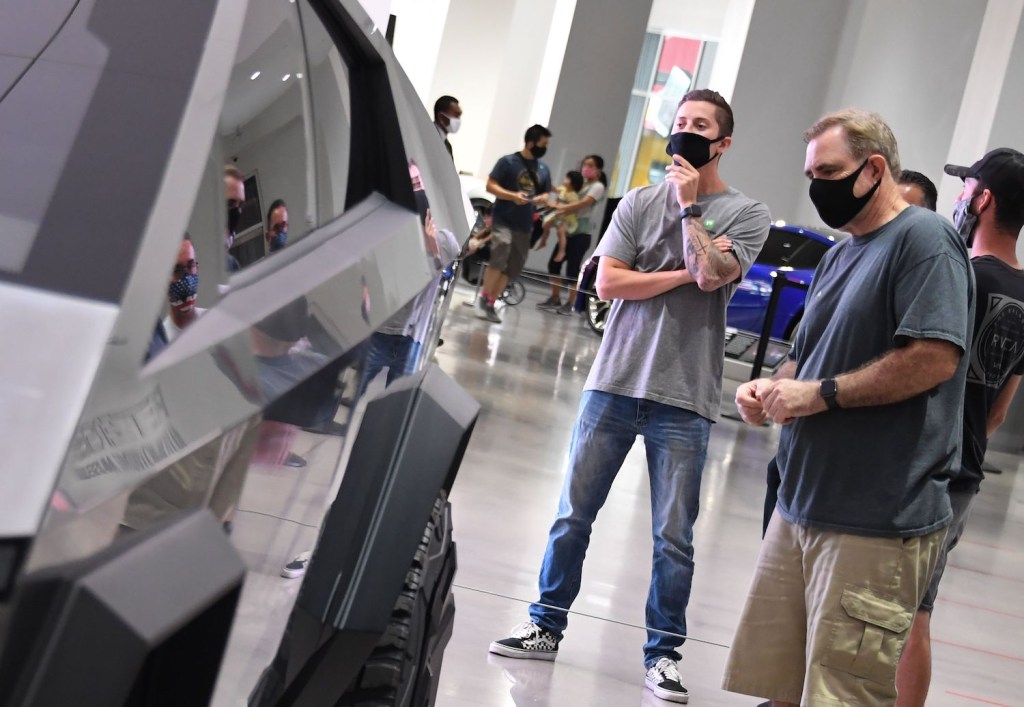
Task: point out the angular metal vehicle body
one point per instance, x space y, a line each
187 405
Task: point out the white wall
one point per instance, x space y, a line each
594 88
778 92
908 61
419 29
379 11
690 18
468 68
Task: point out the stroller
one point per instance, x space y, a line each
587 300
473 264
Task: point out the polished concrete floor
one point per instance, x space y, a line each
528 373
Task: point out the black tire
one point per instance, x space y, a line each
404 667
597 313
515 293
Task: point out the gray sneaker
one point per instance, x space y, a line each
566 309
550 303
528 640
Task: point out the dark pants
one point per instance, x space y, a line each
576 247
771 496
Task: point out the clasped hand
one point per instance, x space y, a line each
781 401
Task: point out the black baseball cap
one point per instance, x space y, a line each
1001 171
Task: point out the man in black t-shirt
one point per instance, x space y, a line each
519 181
989 214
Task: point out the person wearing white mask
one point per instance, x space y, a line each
447 119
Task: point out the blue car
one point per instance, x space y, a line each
789 250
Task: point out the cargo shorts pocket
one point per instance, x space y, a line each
868 635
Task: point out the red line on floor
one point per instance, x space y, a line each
978 650
976 699
987 574
980 608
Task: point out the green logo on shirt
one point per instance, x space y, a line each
709 225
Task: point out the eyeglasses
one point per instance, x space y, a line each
187 268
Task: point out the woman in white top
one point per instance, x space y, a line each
579 242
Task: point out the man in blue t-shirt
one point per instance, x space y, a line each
870 404
989 215
519 181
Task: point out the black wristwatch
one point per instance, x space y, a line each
829 390
691 210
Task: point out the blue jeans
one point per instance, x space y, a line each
676 442
396 352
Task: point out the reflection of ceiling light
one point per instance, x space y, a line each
286 77
298 75
255 75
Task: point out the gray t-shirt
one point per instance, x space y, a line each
882 470
670 348
585 215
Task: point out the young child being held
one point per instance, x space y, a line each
563 224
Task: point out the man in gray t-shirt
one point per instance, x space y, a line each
658 374
870 404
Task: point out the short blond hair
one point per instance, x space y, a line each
866 134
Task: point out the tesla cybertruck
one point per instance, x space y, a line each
226 244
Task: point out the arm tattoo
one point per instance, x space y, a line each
702 257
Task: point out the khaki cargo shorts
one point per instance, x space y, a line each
828 615
509 250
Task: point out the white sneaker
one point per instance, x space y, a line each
297 567
663 680
528 640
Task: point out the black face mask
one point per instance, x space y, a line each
234 215
692 147
834 199
537 151
421 205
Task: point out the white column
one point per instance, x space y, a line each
981 97
419 27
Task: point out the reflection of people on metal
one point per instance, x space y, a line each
396 344
182 291
277 225
234 196
299 382
213 474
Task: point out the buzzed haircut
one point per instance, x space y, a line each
723 111
927 187
442 104
535 133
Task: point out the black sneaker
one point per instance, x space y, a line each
528 640
297 567
489 314
549 303
566 309
663 680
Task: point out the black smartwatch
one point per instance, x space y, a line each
829 390
691 210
